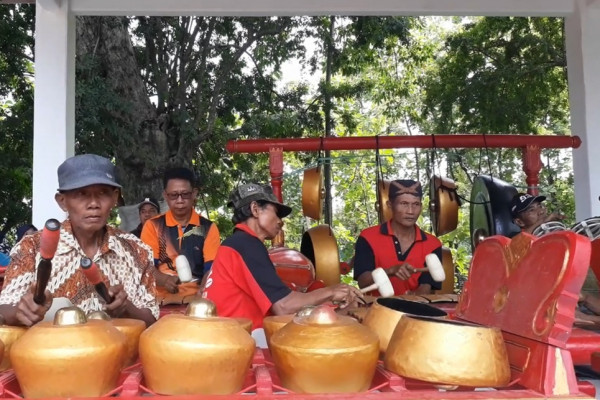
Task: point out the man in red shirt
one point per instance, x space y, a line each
398 245
243 281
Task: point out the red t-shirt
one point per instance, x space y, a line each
242 281
377 246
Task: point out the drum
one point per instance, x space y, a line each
293 267
443 204
313 193
588 227
319 245
550 226
490 209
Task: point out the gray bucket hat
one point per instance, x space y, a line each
85 170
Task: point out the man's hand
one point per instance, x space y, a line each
401 271
169 282
28 311
345 295
554 217
119 304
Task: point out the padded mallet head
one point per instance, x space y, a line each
435 267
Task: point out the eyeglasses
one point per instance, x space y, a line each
183 195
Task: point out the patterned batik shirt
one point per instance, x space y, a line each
121 257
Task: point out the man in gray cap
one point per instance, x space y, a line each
87 192
243 281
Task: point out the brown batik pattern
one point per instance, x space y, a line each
122 259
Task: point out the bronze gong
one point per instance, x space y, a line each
443 204
320 246
313 193
490 209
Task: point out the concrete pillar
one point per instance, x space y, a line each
54 102
583 61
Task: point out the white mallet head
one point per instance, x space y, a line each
381 279
435 267
182 265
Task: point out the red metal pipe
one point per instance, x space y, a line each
394 142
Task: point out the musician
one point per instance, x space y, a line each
529 212
398 245
243 281
87 192
181 230
148 208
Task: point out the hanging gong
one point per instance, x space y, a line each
319 245
443 204
490 209
383 211
313 193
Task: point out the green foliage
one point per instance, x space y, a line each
16 114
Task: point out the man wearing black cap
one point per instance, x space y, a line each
87 192
529 212
148 208
243 281
398 245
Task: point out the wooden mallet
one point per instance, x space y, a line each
381 283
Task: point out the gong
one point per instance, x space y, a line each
490 209
443 204
320 246
383 211
313 193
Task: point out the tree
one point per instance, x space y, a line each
16 114
177 89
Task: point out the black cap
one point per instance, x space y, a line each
404 186
243 195
149 200
522 201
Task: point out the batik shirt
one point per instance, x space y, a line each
121 257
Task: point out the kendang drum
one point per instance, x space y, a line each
70 357
196 353
448 352
320 246
384 314
325 353
294 268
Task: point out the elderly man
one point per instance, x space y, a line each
87 192
398 245
180 231
243 281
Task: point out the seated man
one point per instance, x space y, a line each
180 231
529 212
87 192
148 208
243 281
398 245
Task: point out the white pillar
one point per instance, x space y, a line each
583 61
54 103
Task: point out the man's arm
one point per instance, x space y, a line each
343 294
122 307
364 262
